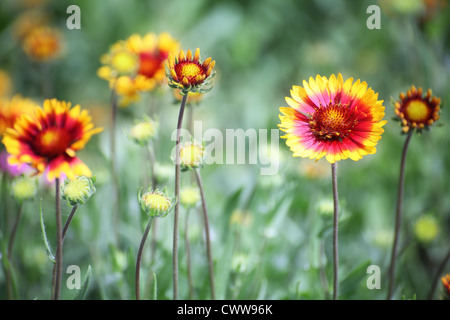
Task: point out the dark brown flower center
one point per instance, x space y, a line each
333 122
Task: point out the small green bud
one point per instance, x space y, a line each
24 188
78 190
155 203
144 131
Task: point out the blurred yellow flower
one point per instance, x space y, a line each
5 84
129 88
43 44
28 21
12 109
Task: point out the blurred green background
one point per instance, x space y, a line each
280 246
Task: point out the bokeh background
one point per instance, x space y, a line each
271 235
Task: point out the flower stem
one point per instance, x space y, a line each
115 179
188 256
335 232
438 275
14 230
58 257
177 197
398 219
139 259
69 220
208 240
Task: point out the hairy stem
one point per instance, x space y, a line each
139 259
58 257
208 240
188 256
335 232
177 197
398 218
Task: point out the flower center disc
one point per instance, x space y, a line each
417 111
52 142
189 70
332 122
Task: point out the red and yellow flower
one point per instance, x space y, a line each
188 73
332 118
139 56
12 109
49 139
416 111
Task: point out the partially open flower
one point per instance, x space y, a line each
188 73
155 203
43 44
191 156
24 188
78 190
416 111
144 131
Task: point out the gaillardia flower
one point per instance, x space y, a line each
139 56
12 109
188 73
333 119
43 44
416 111
49 139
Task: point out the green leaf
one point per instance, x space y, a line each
352 282
44 234
87 280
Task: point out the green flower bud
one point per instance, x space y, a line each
189 197
78 190
426 228
155 203
144 131
24 188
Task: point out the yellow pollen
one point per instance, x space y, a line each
190 70
48 138
417 111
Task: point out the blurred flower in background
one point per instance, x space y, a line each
43 44
12 109
426 229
